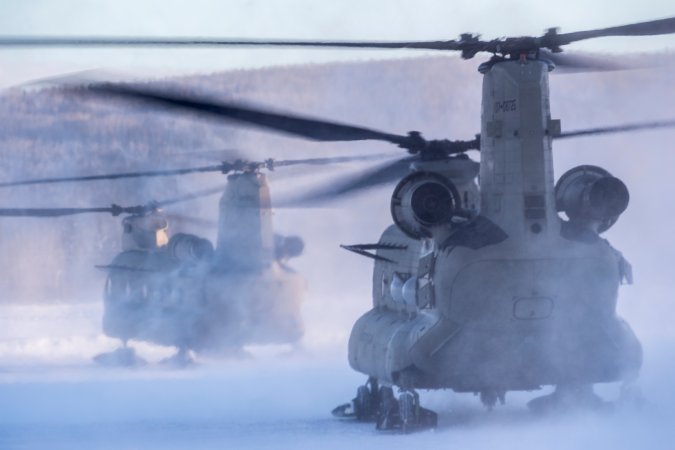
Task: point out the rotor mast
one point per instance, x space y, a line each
245 236
516 171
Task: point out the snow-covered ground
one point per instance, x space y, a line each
53 397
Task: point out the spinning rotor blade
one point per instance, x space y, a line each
650 28
387 173
618 129
315 129
306 127
190 196
197 221
209 155
114 176
95 41
224 167
329 160
589 62
468 44
114 210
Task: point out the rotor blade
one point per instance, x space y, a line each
97 41
125 268
387 173
209 155
618 129
224 167
588 62
329 160
191 196
551 40
115 210
49 212
650 28
197 221
310 128
115 176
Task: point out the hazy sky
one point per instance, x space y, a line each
346 19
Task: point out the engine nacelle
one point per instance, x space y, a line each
287 247
591 197
423 201
190 249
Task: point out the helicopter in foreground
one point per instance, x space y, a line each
487 287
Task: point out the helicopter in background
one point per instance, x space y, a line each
182 291
478 287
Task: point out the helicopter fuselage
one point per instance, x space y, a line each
182 292
515 300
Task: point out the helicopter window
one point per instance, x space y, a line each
532 308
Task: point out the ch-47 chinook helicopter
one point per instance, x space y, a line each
480 288
179 290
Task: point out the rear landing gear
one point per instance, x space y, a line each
412 417
568 397
489 398
124 356
181 360
364 406
631 396
374 403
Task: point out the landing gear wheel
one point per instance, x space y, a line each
364 406
405 413
378 404
387 411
